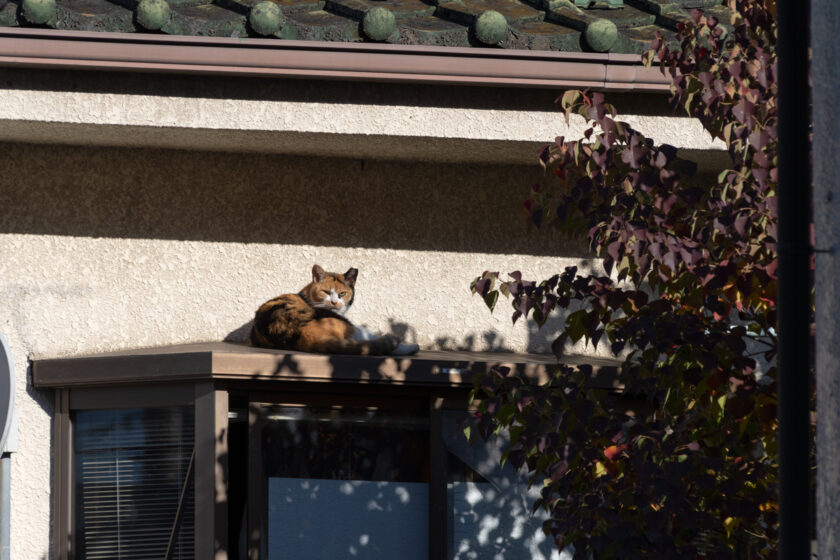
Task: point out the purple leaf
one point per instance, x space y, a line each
615 249
743 111
773 205
656 250
741 224
632 156
667 203
482 286
758 139
761 175
670 260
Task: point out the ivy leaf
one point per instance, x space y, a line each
490 299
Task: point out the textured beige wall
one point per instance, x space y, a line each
382 121
104 249
359 118
121 247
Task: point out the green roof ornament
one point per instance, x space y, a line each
593 3
601 35
491 28
379 23
265 18
38 12
152 15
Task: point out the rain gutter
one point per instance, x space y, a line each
79 50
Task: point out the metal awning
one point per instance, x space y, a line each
224 361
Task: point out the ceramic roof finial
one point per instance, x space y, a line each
491 28
265 18
378 23
38 12
601 35
152 15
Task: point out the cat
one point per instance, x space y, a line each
313 320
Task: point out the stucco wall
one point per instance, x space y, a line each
372 120
104 249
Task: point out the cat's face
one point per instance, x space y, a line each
332 291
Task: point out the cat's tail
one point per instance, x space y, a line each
376 347
278 321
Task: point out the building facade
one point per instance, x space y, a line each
157 185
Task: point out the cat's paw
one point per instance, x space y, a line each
385 344
405 349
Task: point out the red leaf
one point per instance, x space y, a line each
613 451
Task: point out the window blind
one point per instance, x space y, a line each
134 485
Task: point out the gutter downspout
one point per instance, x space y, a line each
795 251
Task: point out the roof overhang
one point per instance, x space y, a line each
222 361
45 48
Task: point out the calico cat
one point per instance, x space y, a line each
313 320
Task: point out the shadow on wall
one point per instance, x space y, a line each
492 341
314 91
331 202
539 339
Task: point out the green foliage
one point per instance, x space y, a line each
689 295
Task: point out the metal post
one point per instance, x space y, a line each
5 509
794 202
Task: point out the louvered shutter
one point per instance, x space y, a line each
134 485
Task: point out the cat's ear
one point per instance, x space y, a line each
318 274
350 276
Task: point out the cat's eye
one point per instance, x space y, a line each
342 294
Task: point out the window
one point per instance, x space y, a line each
489 505
134 483
228 452
345 482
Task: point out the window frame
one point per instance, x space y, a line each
257 502
209 407
210 376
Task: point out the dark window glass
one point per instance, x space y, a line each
134 483
346 483
343 444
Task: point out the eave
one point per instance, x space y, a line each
78 50
227 362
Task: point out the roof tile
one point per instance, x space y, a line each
556 25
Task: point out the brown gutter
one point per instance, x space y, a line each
46 48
